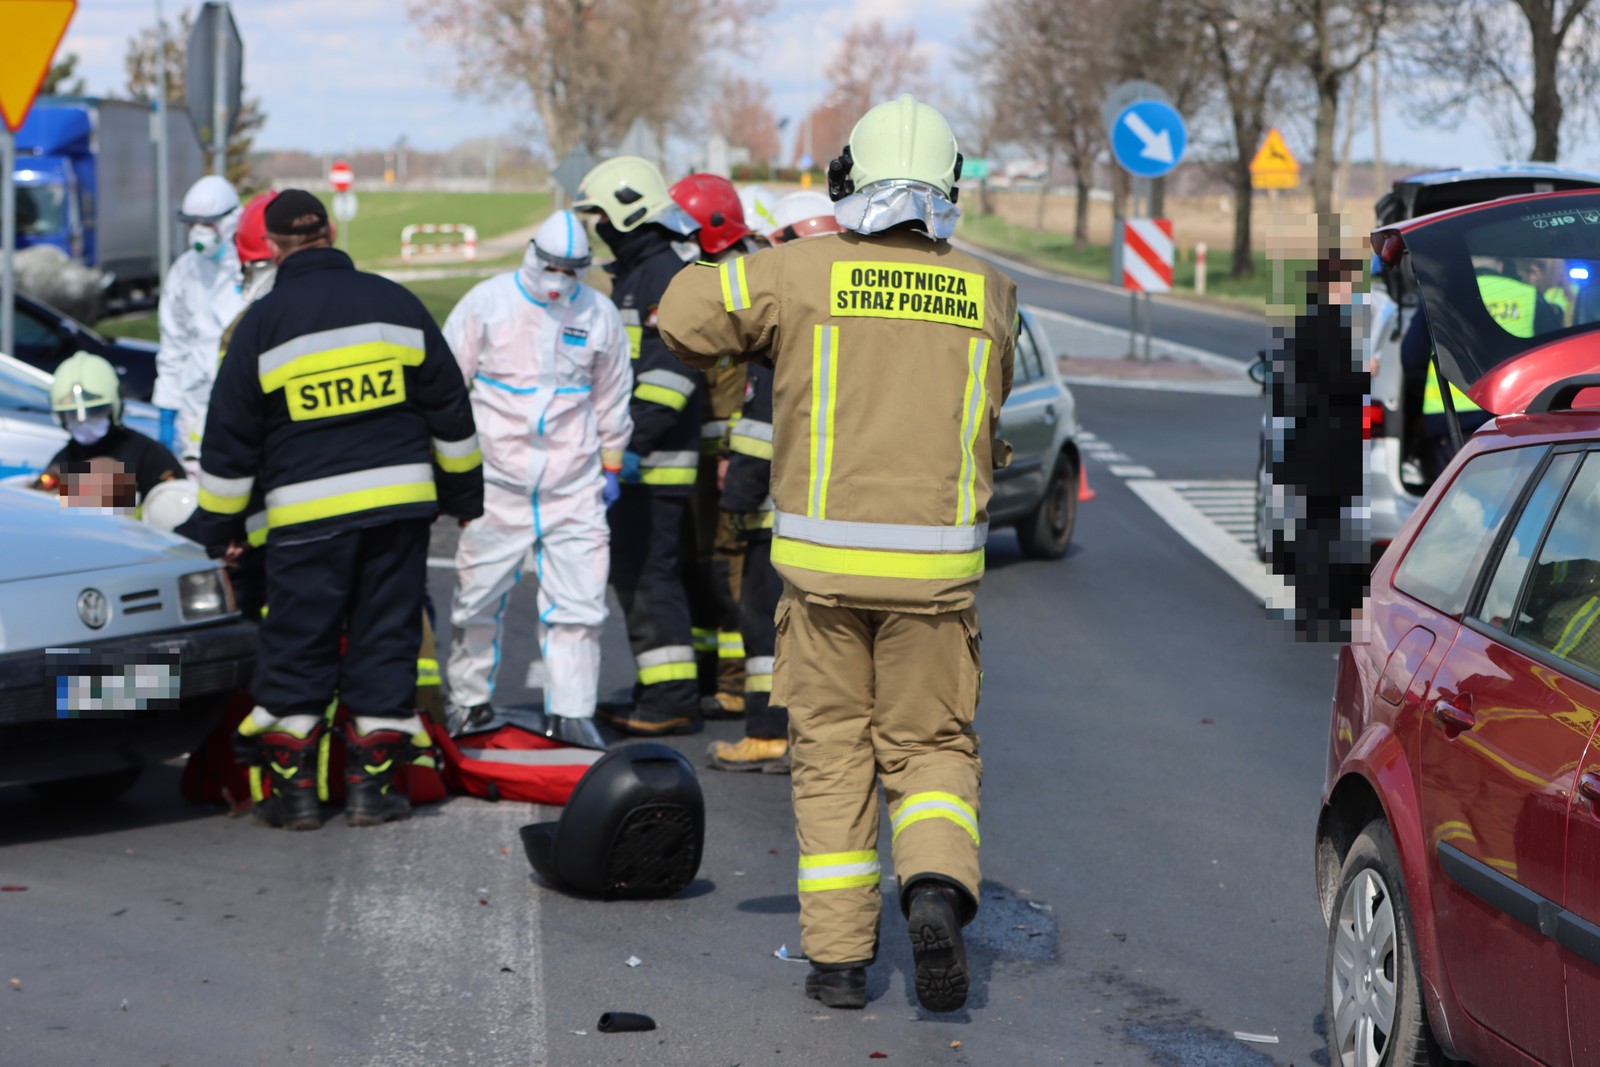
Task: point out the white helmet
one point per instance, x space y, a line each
803 214
758 202
208 200
561 241
169 504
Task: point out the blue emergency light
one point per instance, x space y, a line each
1578 274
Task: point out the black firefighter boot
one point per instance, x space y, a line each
370 762
935 912
838 985
287 762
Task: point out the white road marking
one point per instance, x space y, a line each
1205 388
1126 470
406 901
1227 549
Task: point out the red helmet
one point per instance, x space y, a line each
251 237
713 202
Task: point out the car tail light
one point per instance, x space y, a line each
1371 421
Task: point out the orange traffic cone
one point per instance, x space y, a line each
1084 492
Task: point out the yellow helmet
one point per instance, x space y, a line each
84 381
904 140
629 189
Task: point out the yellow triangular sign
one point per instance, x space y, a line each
1274 166
32 31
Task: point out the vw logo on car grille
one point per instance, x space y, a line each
93 608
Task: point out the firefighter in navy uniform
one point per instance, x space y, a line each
652 238
892 355
339 402
718 552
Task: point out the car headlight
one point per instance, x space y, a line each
205 595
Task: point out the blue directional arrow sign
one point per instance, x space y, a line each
1148 138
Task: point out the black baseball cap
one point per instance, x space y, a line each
292 204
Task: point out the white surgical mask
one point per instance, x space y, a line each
557 286
88 431
206 240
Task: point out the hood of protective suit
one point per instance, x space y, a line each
886 204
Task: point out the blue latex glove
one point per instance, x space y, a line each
169 429
631 475
613 488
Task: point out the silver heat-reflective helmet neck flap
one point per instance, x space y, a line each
886 204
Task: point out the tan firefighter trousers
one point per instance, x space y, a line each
877 694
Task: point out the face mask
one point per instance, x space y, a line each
206 240
91 430
557 286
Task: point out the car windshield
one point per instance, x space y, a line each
1508 277
18 393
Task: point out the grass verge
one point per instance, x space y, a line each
373 237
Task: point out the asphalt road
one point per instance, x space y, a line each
1153 749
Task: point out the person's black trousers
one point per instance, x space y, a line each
647 571
365 585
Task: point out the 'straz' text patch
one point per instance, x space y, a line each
346 390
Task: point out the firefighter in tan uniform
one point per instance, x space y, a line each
891 355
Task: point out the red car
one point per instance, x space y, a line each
1458 848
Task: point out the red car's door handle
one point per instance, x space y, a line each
1452 718
1589 786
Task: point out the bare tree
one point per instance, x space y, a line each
742 113
1329 40
1043 76
589 68
870 64
1250 55
141 60
62 79
1531 65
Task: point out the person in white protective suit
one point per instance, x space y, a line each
199 298
547 359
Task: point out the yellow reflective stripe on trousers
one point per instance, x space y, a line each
224 496
336 349
672 663
758 674
922 806
704 640
427 671
868 563
345 494
735 288
1578 627
973 403
730 644
840 870
824 393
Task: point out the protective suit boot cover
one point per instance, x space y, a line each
370 763
286 767
634 827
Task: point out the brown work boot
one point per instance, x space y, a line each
647 722
748 754
723 706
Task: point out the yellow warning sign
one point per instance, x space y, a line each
33 30
1274 166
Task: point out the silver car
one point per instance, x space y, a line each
1038 492
120 645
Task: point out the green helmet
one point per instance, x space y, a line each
904 140
629 189
83 381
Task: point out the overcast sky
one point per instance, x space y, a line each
335 75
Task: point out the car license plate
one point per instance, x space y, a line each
109 683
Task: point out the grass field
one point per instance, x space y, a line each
373 237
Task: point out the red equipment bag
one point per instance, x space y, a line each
511 763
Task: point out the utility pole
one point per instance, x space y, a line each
1377 131
163 164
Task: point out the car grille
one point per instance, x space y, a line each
135 603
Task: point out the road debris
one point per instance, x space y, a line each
13 889
782 952
878 1056
1038 906
624 1022
955 1044
124 1004
1259 1039
634 961
16 985
579 1033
